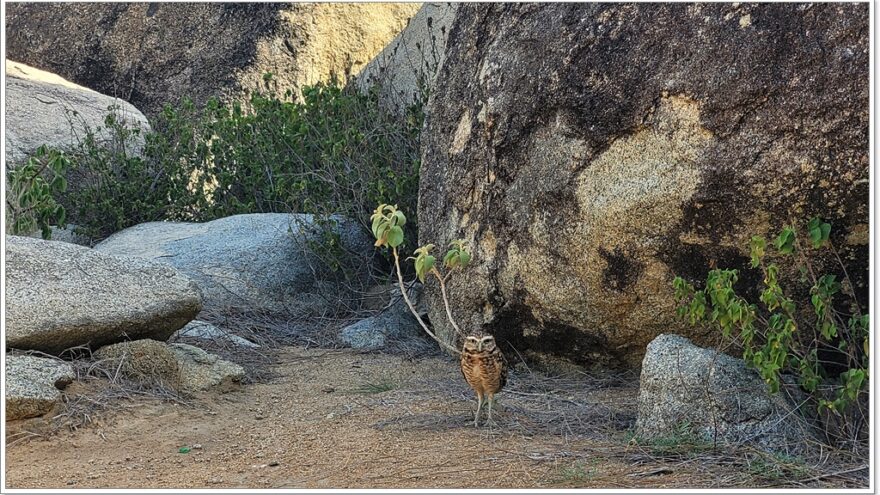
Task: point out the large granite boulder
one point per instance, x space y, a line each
43 108
253 262
591 152
155 53
716 397
60 295
404 72
33 385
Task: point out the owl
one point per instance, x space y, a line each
483 368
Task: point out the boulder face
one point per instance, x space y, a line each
60 295
408 66
43 108
716 397
151 54
592 152
252 262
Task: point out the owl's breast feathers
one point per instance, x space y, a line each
484 370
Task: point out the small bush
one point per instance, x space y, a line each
776 337
335 152
32 191
122 176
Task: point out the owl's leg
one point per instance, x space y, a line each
491 403
479 405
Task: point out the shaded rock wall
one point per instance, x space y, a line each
150 54
591 152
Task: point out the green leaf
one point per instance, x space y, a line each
785 242
395 236
401 219
757 245
184 450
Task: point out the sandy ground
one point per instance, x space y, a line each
343 419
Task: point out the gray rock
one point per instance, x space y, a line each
200 370
159 53
408 66
716 396
38 106
394 322
251 262
179 366
591 152
33 385
60 295
65 234
144 361
203 330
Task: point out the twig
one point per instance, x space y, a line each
446 300
412 308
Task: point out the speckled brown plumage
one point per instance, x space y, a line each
484 370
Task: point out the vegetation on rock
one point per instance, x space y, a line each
826 346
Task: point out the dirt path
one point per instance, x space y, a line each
341 419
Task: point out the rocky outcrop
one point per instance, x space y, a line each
43 108
406 69
716 396
394 322
33 385
60 295
151 54
255 262
181 367
591 152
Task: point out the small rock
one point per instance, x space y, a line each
197 446
33 385
273 463
328 390
716 395
203 330
395 321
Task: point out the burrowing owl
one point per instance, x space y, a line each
483 368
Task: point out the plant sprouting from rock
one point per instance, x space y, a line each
387 227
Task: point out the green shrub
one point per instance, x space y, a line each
32 191
335 152
122 176
812 344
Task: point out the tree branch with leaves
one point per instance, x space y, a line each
387 227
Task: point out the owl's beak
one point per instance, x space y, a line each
480 346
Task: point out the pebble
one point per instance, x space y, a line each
273 463
197 446
215 481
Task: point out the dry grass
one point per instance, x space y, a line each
572 430
342 418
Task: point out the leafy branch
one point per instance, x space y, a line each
772 337
387 227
